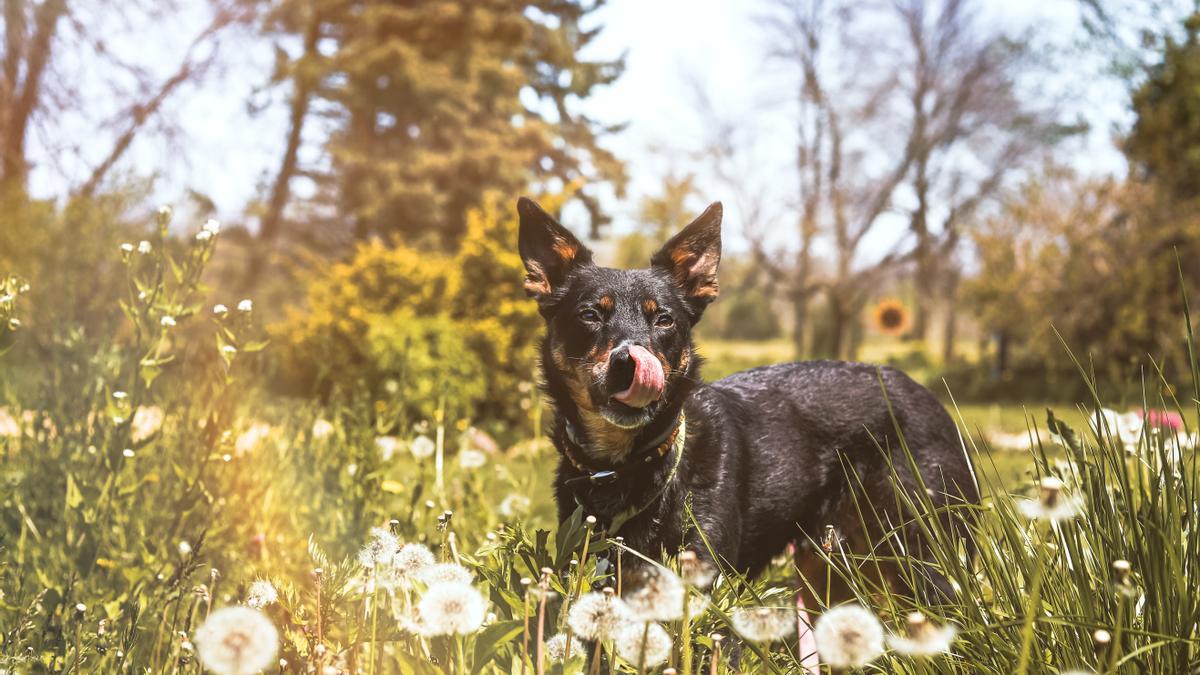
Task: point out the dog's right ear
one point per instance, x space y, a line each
548 250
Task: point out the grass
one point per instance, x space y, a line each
141 499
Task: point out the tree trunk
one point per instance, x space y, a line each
950 326
23 100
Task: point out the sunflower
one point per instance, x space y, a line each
890 317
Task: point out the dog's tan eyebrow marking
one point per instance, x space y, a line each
649 306
607 303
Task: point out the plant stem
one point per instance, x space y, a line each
1028 629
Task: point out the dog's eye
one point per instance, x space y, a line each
589 316
664 321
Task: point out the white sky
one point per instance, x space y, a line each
227 153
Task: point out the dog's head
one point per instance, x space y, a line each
618 342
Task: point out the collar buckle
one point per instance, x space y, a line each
602 477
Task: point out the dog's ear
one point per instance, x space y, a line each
548 250
691 258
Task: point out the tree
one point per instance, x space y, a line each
431 104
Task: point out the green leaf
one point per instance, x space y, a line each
492 638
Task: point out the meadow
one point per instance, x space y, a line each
163 514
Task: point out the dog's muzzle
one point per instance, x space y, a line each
646 381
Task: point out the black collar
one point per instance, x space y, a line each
650 452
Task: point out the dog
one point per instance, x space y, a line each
760 459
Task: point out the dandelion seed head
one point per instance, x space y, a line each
127 248
657 596
386 445
922 637
513 505
261 594
380 549
470 459
696 571
764 624
556 648
237 641
646 643
597 616
411 560
848 636
322 429
1052 504
445 573
422 447
144 247
167 321
212 226
449 608
204 235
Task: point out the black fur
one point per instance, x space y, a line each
767 450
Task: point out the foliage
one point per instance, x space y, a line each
455 326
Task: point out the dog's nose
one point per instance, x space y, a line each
620 369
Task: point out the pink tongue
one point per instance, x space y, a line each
648 380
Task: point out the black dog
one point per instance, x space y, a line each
762 456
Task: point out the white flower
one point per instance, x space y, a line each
470 459
261 594
322 429
246 305
411 560
658 596
204 235
250 439
144 247
220 310
237 641
556 648
185 548
1051 504
643 644
449 608
848 636
598 616
452 573
422 447
380 549
127 248
164 212
386 445
147 420
513 505
923 638
211 226
167 321
764 624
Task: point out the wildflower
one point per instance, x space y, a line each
598 616
204 235
513 505
127 453
126 248
167 321
422 447
449 608
147 420
849 637
470 459
119 395
645 644
322 429
923 638
185 549
246 305
144 247
890 317
212 226
659 597
696 572
763 624
1051 504
556 648
164 212
236 641
411 560
261 594
380 549
452 573
386 445
220 310
250 439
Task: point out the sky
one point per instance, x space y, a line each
225 151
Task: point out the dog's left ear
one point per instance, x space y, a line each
548 250
691 257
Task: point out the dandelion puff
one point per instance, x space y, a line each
451 573
647 644
411 560
849 636
237 641
763 624
261 594
146 421
322 429
513 505
658 596
598 616
144 247
470 459
422 447
696 571
386 445
380 549
556 648
923 638
449 608
1051 505
250 439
